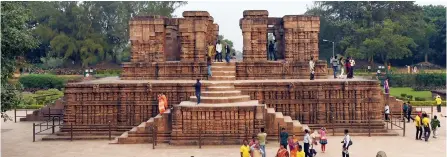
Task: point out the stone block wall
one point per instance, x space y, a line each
147 37
130 103
233 123
301 37
244 70
193 29
254 31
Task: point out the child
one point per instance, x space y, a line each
300 152
435 124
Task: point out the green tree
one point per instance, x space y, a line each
16 40
224 42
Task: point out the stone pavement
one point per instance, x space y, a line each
16 141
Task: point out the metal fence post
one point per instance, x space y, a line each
34 132
15 115
153 137
49 113
369 127
404 129
200 138
279 133
71 131
52 127
110 132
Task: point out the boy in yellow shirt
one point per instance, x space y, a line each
417 123
438 103
245 149
426 124
300 152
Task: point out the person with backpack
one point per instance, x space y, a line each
346 143
434 125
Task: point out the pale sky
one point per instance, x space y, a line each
228 13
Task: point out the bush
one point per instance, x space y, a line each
44 97
410 97
419 99
403 95
28 99
29 106
425 103
42 81
420 81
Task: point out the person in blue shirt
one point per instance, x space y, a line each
198 86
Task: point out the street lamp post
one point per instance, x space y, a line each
333 46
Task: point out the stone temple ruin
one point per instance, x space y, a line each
239 99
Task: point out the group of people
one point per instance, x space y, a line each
422 123
217 52
340 64
289 146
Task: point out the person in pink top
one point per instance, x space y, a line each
323 139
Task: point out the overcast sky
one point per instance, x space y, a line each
227 14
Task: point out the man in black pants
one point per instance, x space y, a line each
306 142
409 108
198 86
346 143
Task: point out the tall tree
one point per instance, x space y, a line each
16 40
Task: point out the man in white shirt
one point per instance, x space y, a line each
262 137
387 112
219 51
306 142
352 66
346 143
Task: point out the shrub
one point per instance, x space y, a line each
42 81
410 97
403 95
30 106
28 99
44 97
420 81
425 103
419 99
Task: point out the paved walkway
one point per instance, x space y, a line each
16 141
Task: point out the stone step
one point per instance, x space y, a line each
223 68
218 83
194 104
223 64
224 73
271 110
220 88
219 100
220 78
288 119
220 93
296 123
67 138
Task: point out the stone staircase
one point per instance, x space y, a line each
275 119
143 132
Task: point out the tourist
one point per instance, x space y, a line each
417 123
348 68
245 150
255 150
211 50
262 136
271 52
276 49
323 139
293 146
335 65
435 124
438 103
300 152
341 67
387 112
228 53
346 143
306 142
426 124
161 104
386 86
282 152
352 61
284 136
312 68
219 51
404 111
252 143
409 110
198 86
208 65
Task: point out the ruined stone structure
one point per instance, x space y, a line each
240 97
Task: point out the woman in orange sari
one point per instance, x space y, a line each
165 101
161 104
282 152
293 145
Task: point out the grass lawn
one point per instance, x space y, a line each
409 91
